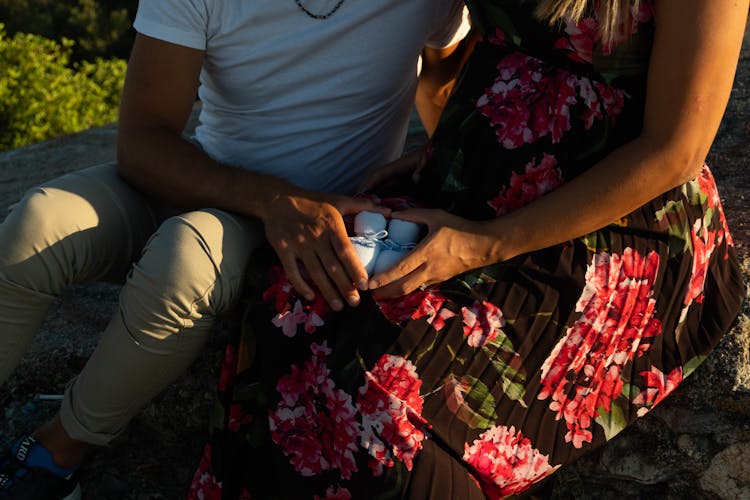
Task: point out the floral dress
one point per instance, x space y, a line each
484 385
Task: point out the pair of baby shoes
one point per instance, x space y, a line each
380 243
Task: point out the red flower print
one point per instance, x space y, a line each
703 246
498 38
580 40
582 375
238 418
391 408
707 185
482 323
659 386
281 291
314 422
339 493
537 181
401 309
530 100
507 460
204 485
432 308
228 368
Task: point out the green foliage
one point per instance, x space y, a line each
43 95
101 28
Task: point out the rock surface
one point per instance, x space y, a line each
696 444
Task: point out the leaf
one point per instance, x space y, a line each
514 390
691 365
595 242
478 395
630 391
613 422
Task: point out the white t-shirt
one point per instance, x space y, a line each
317 102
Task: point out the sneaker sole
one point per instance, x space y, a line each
75 494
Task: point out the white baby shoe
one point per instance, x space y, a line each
379 248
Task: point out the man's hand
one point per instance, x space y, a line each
452 246
307 228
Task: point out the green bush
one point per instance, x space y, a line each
43 95
101 28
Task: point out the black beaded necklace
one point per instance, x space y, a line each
318 16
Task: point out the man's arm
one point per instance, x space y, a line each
159 93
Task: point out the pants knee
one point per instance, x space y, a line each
40 238
191 270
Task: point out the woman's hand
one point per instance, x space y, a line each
410 163
452 246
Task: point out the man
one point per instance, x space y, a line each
300 100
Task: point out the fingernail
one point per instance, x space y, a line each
337 305
310 296
362 284
373 284
353 300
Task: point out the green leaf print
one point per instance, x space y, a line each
613 422
673 219
452 184
495 17
477 395
512 380
691 365
595 242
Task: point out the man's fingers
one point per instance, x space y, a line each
321 279
291 268
337 272
347 256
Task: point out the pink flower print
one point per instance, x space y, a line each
582 375
288 320
204 485
659 386
580 39
482 323
300 315
612 99
340 493
536 181
507 460
391 408
530 100
314 423
432 308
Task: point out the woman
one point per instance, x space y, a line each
577 268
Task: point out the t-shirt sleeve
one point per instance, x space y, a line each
453 28
182 22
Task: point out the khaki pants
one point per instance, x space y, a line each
180 270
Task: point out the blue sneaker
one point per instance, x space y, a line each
28 473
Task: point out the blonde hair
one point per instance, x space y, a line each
612 15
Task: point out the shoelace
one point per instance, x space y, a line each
379 238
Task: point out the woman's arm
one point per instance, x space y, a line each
440 68
691 71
